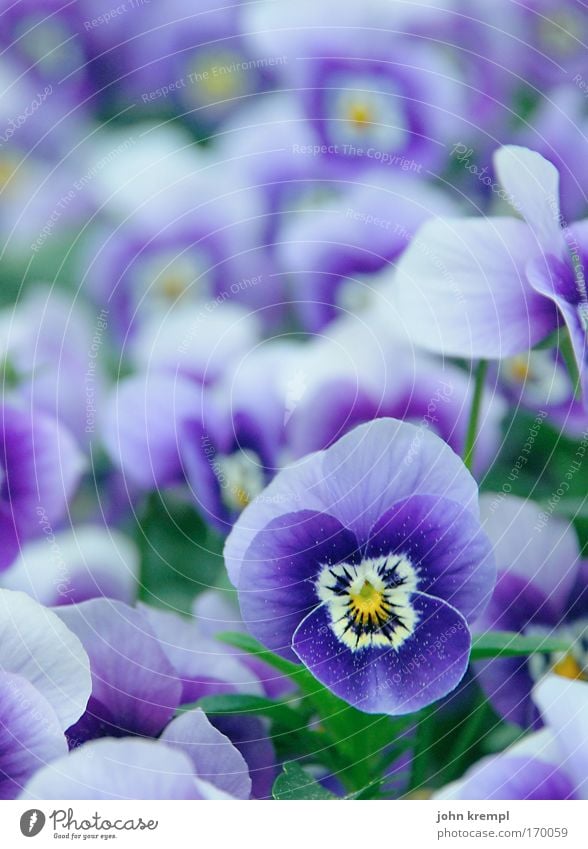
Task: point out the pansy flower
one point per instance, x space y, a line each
374 99
44 688
362 367
76 564
495 287
366 562
46 40
548 764
220 443
191 760
40 468
540 591
331 253
145 663
56 347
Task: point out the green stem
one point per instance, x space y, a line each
424 739
479 721
472 432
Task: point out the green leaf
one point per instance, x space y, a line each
231 703
250 645
507 644
295 783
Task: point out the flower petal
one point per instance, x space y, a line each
546 555
461 289
36 645
277 579
30 733
564 707
532 186
508 777
381 462
131 676
445 544
427 666
85 562
215 758
120 769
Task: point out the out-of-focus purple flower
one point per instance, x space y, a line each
558 132
541 591
548 764
373 99
539 379
234 447
56 348
202 342
196 60
44 688
207 667
332 253
363 367
134 687
280 159
495 287
186 236
202 664
553 35
43 38
145 663
191 760
223 441
144 444
40 467
366 562
70 566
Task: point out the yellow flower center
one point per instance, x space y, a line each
368 605
520 369
359 114
173 286
568 667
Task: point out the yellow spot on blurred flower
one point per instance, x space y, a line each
359 114
568 667
520 369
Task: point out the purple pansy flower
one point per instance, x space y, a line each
44 688
223 441
374 99
548 764
366 562
208 667
541 590
74 565
191 760
362 367
40 467
145 664
56 347
216 611
44 39
200 53
332 253
540 379
495 287
279 157
189 237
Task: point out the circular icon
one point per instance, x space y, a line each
32 822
